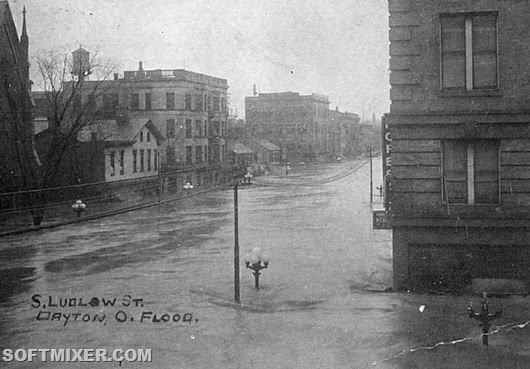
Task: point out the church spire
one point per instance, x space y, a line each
24 30
24 43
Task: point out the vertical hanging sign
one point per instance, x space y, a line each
387 141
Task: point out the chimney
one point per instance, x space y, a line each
336 108
116 76
140 67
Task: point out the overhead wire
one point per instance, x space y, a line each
154 200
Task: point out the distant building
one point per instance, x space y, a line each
131 149
267 152
242 155
459 174
16 122
345 133
297 124
189 110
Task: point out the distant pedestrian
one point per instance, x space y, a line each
287 169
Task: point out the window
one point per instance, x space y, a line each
110 101
170 153
198 102
469 51
170 128
147 101
148 160
148 136
141 137
135 157
471 171
135 101
155 164
216 128
198 128
198 154
216 103
122 168
188 154
188 128
142 160
188 101
170 100
112 163
76 104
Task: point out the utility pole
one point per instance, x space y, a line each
371 177
236 246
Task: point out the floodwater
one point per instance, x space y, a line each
163 279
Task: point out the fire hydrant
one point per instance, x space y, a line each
484 317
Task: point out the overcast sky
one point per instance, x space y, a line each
338 48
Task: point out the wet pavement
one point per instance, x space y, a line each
320 305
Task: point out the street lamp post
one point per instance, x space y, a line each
78 207
236 245
256 261
484 317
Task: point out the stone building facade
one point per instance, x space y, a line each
297 124
459 183
345 133
188 109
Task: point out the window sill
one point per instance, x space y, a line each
493 206
473 93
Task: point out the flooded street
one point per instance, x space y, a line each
321 302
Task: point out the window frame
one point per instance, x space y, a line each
122 162
469 83
170 100
135 101
470 176
148 102
112 155
148 160
170 128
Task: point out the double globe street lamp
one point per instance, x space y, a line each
248 177
256 261
78 207
484 317
188 186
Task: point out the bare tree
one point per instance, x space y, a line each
71 105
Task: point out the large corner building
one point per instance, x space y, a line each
459 174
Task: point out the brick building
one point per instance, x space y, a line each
188 109
297 124
345 133
459 120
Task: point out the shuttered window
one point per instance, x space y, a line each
469 51
471 171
